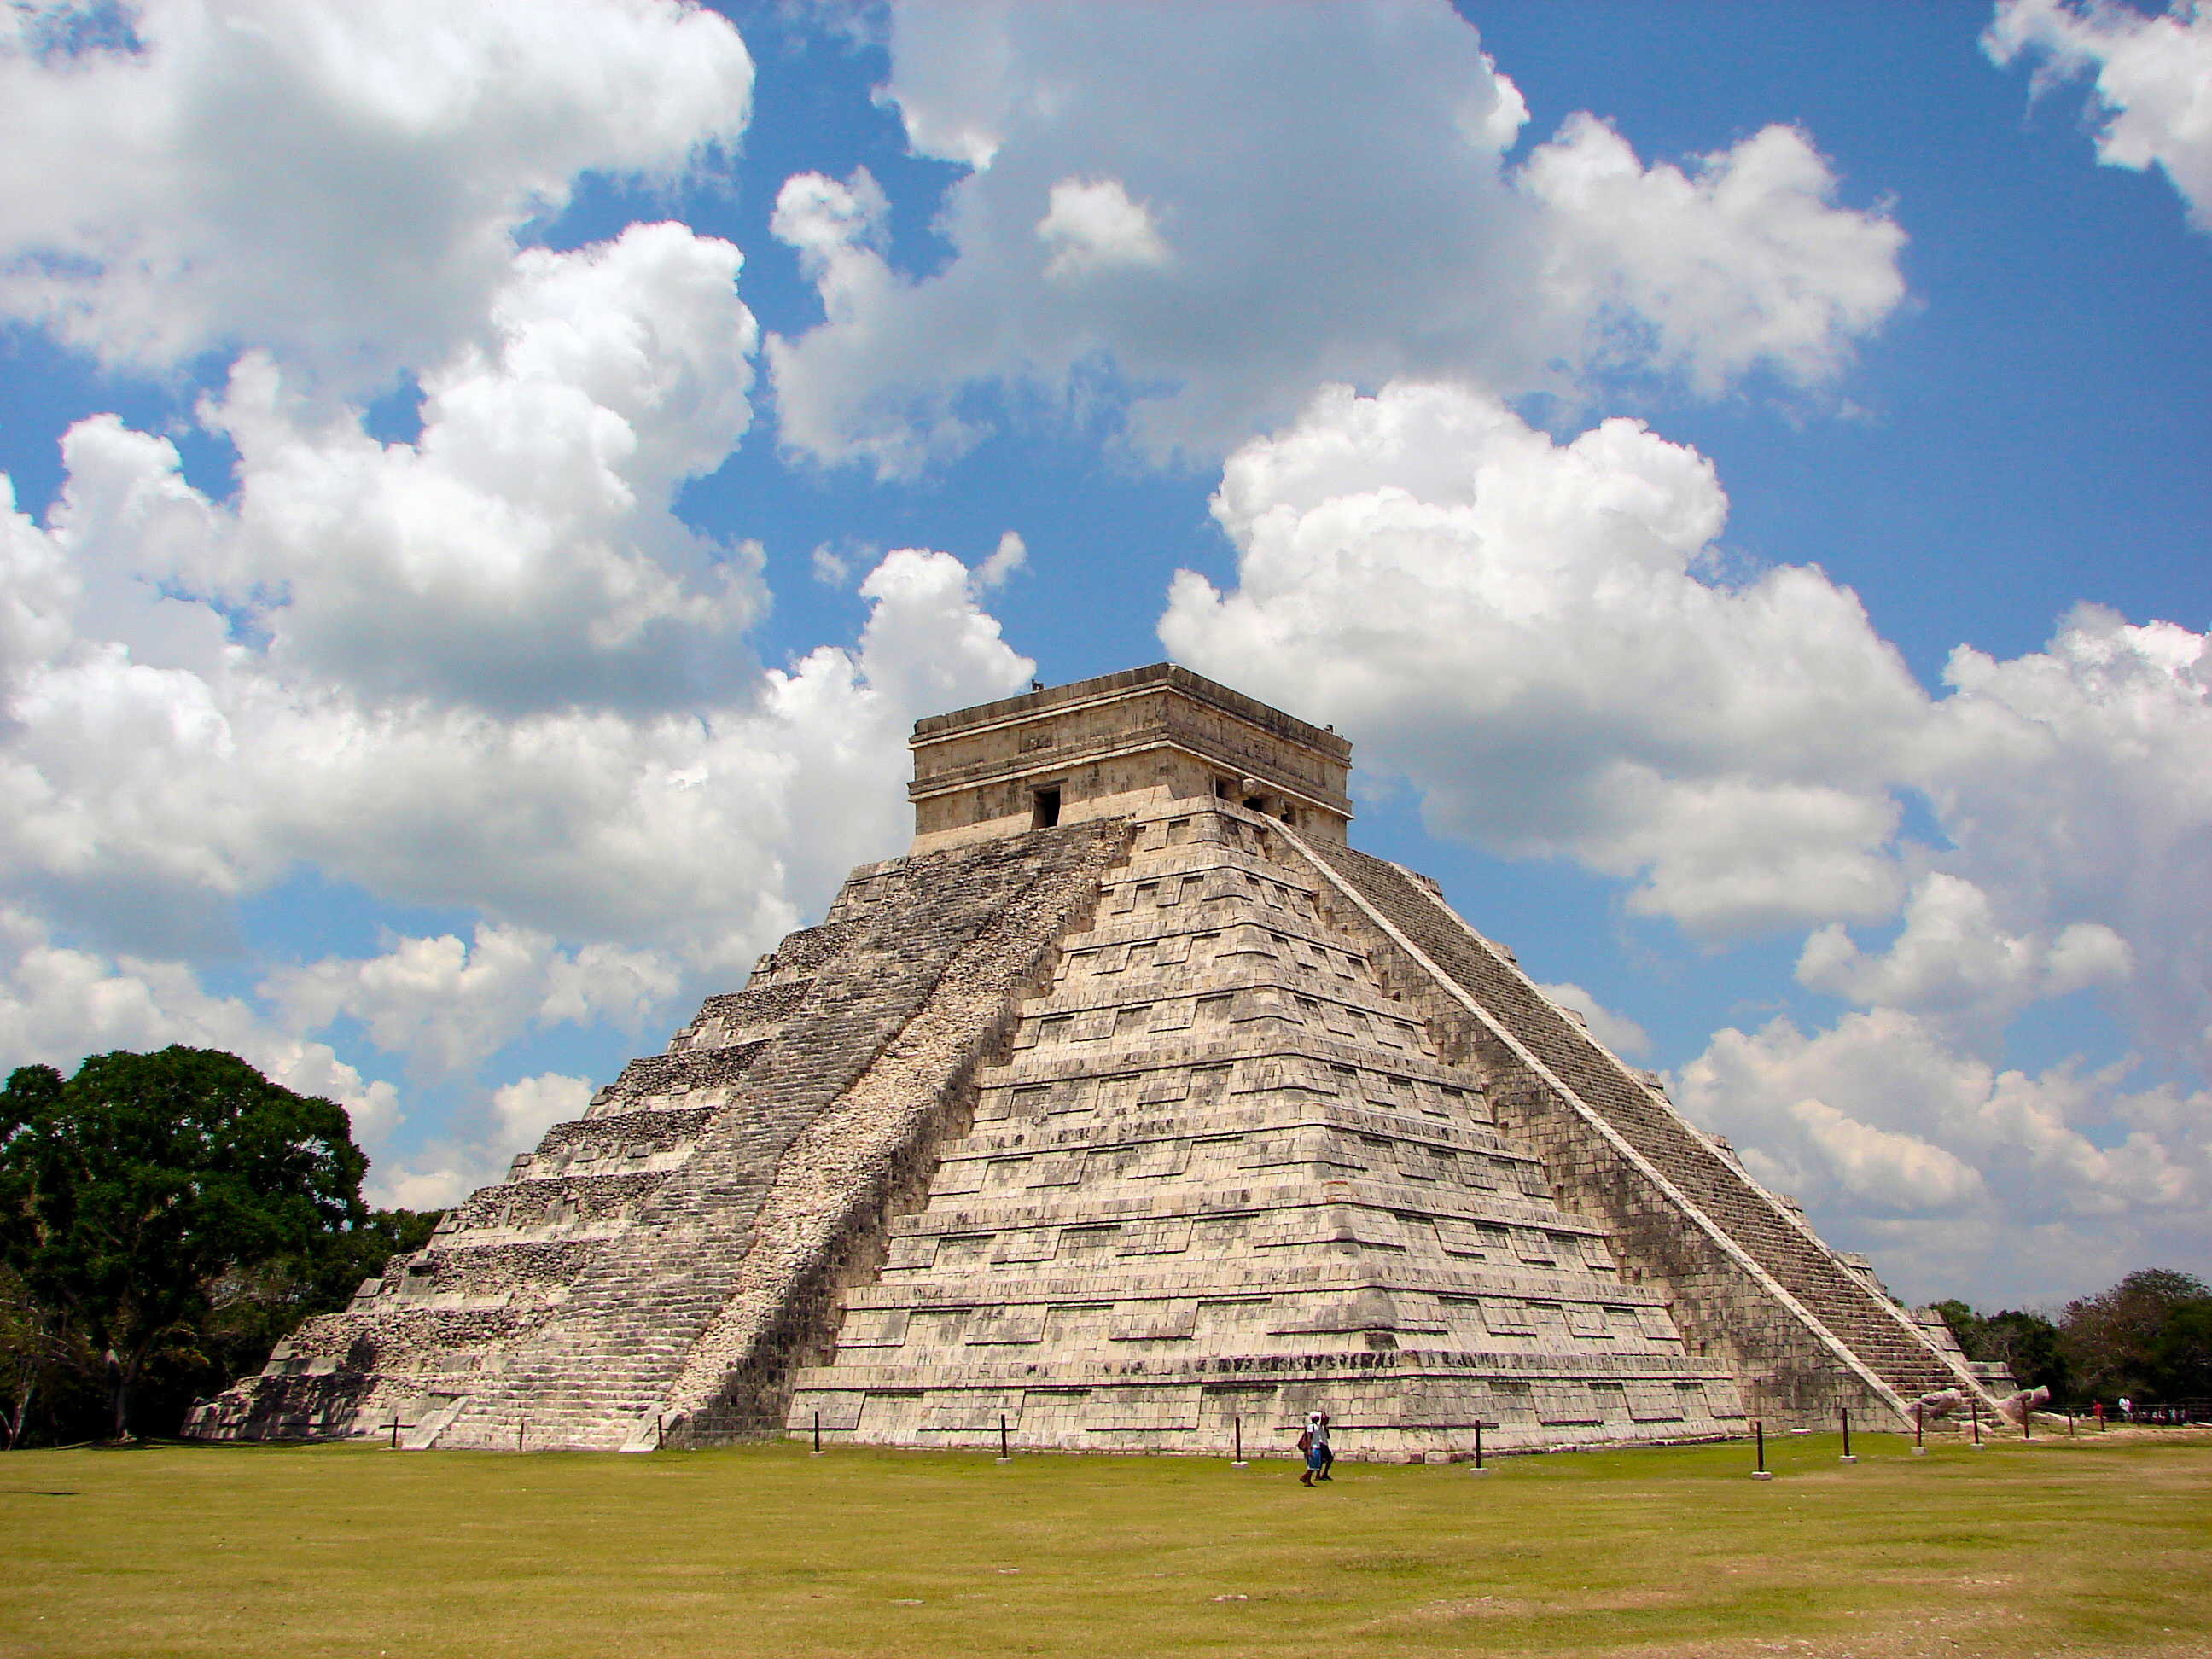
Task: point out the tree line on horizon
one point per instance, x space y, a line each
2147 1339
165 1219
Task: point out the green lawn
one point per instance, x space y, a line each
2099 1545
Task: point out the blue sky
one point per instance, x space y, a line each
1738 474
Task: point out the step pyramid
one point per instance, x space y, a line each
1132 1110
1227 1175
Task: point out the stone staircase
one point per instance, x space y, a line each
1232 1119
1847 1310
599 1371
555 1308
1224 1178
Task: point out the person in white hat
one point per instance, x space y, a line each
1314 1442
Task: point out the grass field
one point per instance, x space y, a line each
2100 1545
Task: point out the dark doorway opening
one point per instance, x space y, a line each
1047 810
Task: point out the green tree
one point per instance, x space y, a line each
130 1190
1965 1324
32 1347
2028 1343
2180 1365
2117 1341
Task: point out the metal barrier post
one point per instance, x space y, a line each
1847 1457
1758 1434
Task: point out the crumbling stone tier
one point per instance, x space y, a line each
1132 1110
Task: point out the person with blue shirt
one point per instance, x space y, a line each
1314 1442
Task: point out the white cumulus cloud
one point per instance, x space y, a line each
623 864
1954 958
1537 635
1008 556
2152 77
445 1003
439 672
1617 1031
59 1003
2077 781
526 1109
523 551
145 795
1879 1168
1542 639
1954 1170
1290 195
342 183
1529 630
1094 226
1743 260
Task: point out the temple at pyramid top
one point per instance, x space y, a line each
1114 746
1132 1109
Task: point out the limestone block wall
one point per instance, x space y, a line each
1224 1178
1117 744
1168 1123
562 1306
1746 1280
414 1342
822 1227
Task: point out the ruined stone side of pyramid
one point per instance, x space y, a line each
1226 1179
1129 1349
1747 1280
759 1222
714 1200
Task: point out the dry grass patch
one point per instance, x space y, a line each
2083 1546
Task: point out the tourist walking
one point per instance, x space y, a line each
1313 1442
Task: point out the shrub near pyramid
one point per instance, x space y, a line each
1133 1109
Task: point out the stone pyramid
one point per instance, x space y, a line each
1133 1109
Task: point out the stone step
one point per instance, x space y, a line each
1847 1307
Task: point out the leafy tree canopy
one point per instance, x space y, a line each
2181 1358
2136 1337
2149 1336
129 1189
